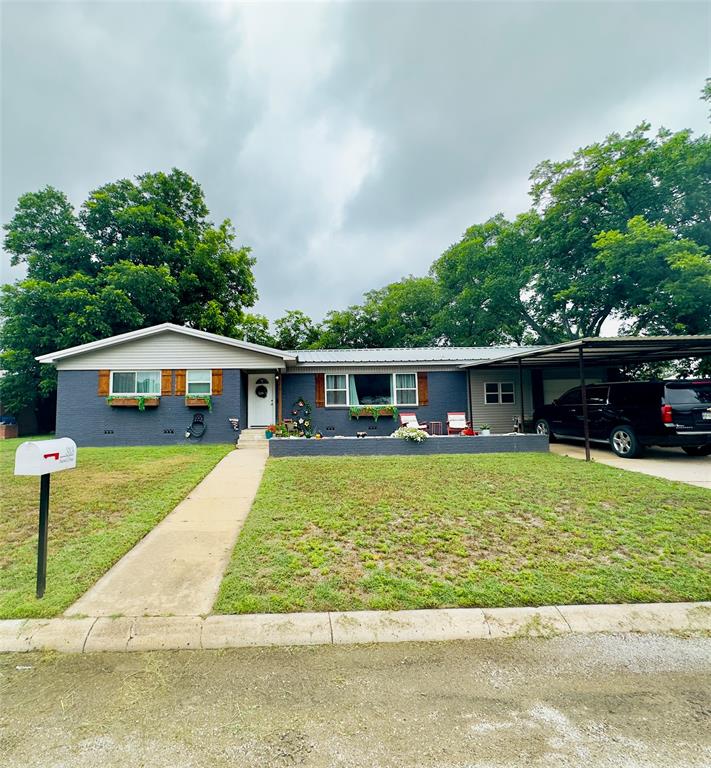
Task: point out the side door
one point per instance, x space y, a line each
597 396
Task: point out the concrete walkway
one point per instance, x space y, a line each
667 463
177 568
147 633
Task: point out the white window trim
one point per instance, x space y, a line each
498 392
327 389
135 371
394 390
187 382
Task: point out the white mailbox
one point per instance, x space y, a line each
42 457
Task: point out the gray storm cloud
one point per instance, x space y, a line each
350 143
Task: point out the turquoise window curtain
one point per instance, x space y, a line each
352 391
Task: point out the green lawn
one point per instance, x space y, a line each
98 511
436 531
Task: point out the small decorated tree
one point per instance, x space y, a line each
301 414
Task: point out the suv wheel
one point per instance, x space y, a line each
624 443
697 450
544 428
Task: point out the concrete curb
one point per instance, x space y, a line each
153 633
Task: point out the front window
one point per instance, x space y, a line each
135 383
353 389
406 388
336 391
498 392
199 382
370 389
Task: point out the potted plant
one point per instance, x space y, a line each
485 429
411 434
270 431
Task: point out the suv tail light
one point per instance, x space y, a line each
667 417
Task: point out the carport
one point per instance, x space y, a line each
618 351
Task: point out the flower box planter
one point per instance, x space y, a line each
134 402
197 402
372 412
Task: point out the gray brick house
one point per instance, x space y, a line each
151 386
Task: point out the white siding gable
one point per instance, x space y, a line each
169 350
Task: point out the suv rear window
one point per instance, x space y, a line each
637 394
688 392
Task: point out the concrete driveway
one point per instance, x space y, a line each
622 701
669 463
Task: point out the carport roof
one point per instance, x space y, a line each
616 350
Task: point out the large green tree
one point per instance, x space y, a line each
546 277
139 252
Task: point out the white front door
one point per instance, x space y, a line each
260 399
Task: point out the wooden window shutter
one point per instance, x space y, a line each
104 383
166 383
217 381
320 390
423 397
180 382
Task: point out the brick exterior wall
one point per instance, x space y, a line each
447 392
86 417
394 447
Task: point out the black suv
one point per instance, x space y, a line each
630 415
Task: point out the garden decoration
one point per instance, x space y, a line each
301 413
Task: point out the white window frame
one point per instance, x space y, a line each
394 390
498 385
328 389
135 372
188 393
397 389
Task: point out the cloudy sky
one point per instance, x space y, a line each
350 143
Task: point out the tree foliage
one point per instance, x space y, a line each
138 253
295 330
618 236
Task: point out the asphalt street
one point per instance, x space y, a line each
617 700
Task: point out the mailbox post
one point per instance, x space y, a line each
43 458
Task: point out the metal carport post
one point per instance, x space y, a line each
584 398
522 427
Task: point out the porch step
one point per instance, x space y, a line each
252 438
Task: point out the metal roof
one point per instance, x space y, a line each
400 355
604 351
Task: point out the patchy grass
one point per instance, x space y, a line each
98 511
444 531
